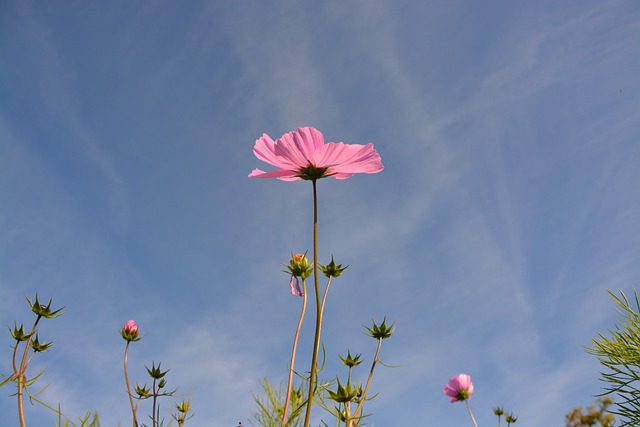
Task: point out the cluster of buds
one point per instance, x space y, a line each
157 389
509 418
32 345
347 394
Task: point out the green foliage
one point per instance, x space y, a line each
595 415
619 354
270 407
89 420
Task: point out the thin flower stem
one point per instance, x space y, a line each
356 414
22 378
471 413
293 353
316 341
155 398
15 353
326 292
347 405
126 379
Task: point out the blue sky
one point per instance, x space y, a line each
509 202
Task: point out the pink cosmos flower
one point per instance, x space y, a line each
459 388
302 154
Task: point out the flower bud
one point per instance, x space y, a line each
332 269
44 310
350 360
38 347
142 391
382 331
346 393
18 334
155 372
299 266
130 331
184 406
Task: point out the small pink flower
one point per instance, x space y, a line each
459 388
302 154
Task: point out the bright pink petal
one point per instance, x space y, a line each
345 160
297 147
265 150
285 175
465 383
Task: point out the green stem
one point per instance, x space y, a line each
471 413
154 420
126 379
20 374
293 353
356 414
316 342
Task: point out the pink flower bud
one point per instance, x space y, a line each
130 327
130 331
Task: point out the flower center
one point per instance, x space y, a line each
312 172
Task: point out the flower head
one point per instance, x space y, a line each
332 269
459 388
381 331
299 266
44 310
130 331
302 154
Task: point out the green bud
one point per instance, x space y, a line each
498 411
351 361
346 393
40 348
510 418
142 392
18 333
331 269
184 406
44 310
156 373
382 331
299 266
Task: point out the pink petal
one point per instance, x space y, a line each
297 147
285 175
265 150
345 160
295 291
